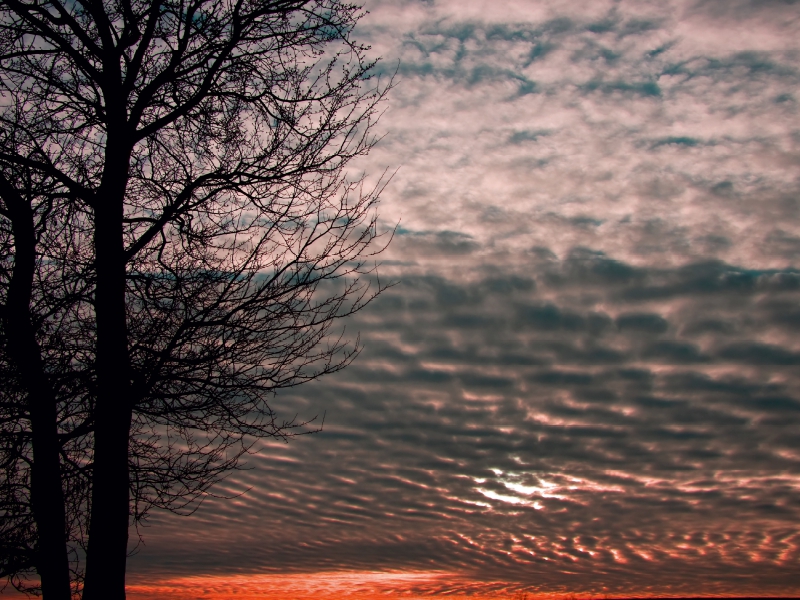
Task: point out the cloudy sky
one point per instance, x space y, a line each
586 379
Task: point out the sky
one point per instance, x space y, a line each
585 380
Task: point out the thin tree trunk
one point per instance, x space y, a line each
110 510
47 494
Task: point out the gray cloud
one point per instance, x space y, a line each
586 377
515 439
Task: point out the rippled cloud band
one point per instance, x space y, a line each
586 378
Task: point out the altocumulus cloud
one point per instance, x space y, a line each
586 377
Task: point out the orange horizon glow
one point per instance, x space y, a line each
373 585
417 585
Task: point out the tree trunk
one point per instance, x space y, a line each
47 494
110 510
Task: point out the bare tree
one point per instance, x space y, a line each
179 235
43 384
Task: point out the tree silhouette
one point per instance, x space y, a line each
179 238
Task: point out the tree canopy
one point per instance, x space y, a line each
179 236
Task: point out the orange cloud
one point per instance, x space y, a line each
364 586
